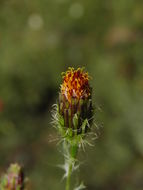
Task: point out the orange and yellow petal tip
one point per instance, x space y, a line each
75 83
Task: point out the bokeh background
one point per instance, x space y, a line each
38 40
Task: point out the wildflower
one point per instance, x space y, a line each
13 179
73 117
75 104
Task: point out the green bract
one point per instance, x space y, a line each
75 116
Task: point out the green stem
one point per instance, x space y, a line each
73 154
68 181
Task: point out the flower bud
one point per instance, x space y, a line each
75 104
13 179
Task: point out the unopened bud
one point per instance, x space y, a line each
13 179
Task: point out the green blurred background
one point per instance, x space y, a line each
38 40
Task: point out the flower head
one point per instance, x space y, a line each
75 84
75 104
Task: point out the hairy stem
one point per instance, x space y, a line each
73 153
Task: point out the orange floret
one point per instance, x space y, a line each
75 84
